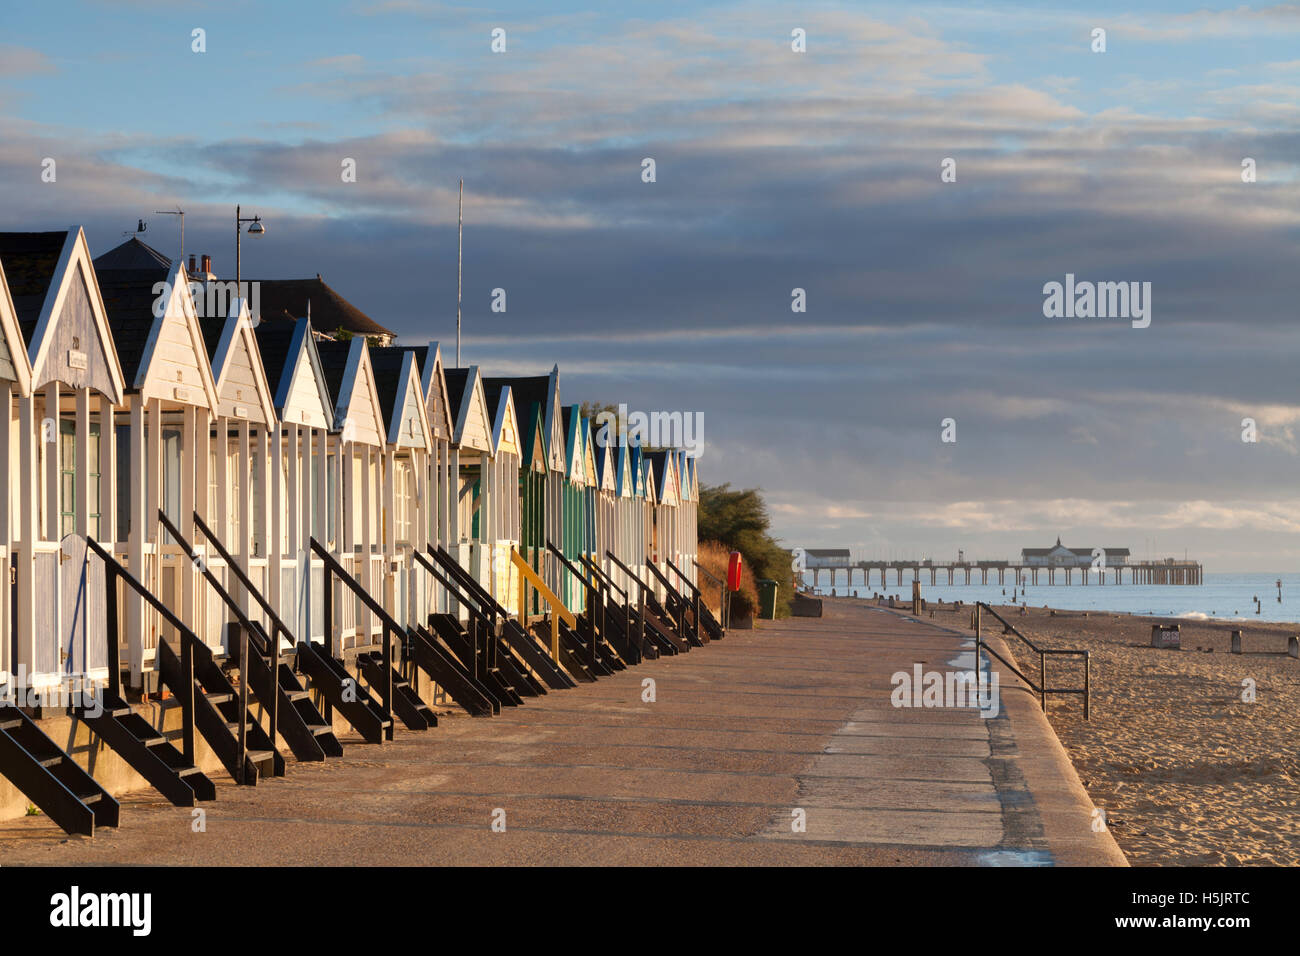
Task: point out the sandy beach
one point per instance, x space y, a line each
1186 771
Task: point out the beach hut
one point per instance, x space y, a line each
503 533
649 505
574 504
605 495
63 468
406 495
471 452
360 437
663 473
438 509
163 424
542 480
15 383
245 472
629 527
304 409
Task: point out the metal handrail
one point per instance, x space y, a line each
1041 688
724 606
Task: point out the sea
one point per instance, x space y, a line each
1226 597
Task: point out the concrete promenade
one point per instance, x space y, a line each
742 734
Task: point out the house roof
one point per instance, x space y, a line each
133 256
329 310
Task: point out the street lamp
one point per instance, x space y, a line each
255 229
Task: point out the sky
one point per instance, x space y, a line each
774 170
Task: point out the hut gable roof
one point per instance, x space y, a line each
624 485
243 390
401 398
160 341
573 445
505 419
534 439
433 386
14 365
60 311
605 459
293 369
589 454
542 393
468 406
357 415
665 475
329 310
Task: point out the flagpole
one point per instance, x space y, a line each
460 248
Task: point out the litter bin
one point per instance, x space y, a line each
767 599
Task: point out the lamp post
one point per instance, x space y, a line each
255 229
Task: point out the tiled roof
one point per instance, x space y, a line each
128 300
387 366
456 379
334 362
329 310
274 336
133 255
30 259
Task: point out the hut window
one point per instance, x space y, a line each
68 478
171 485
212 482
233 509
404 500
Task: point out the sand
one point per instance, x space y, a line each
1186 772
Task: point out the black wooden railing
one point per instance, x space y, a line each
269 653
675 596
113 572
480 613
592 593
695 594
391 629
609 582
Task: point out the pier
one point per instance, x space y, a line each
1164 572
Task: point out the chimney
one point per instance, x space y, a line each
207 265
193 265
